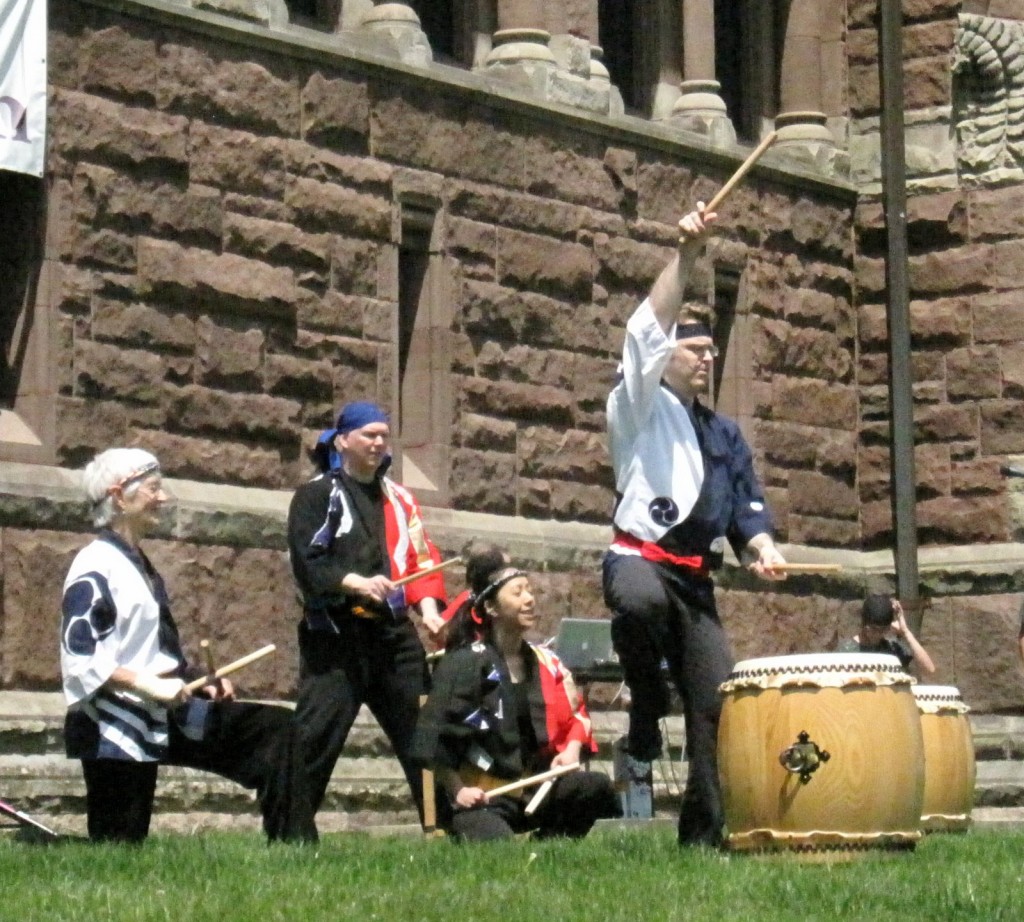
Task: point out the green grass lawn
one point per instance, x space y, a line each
628 875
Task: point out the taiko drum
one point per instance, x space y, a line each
820 753
949 767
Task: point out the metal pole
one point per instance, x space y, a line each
901 399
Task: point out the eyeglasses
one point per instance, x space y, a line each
703 351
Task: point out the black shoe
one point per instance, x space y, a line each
644 741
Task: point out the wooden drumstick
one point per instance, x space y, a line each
532 780
744 168
538 798
808 567
207 651
196 684
419 574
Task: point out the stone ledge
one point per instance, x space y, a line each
44 496
492 91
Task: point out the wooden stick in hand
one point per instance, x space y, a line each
513 786
196 684
419 574
744 168
808 567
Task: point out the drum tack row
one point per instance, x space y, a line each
841 752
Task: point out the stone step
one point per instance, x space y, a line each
368 789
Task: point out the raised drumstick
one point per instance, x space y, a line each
744 168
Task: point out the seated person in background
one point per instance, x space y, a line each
502 708
881 616
124 675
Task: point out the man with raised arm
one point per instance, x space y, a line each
685 485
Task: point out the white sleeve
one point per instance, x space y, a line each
644 356
88 636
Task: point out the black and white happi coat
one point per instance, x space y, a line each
116 613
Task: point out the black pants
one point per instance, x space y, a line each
377 664
252 744
662 613
575 802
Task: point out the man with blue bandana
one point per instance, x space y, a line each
352 532
685 485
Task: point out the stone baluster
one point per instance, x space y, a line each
700 106
801 123
556 69
398 29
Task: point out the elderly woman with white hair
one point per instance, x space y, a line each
125 674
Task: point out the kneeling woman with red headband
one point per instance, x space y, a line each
502 708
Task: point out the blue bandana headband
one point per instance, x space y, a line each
358 414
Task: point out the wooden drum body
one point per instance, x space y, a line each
847 727
949 767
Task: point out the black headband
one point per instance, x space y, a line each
492 587
693 328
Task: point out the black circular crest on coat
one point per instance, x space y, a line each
663 510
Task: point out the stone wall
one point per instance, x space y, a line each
224 222
965 271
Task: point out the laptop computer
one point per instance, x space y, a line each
585 646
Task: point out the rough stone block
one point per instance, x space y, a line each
512 209
984 650
816 494
354 266
336 111
521 363
949 271
204 411
932 470
560 454
229 357
1002 427
35 564
227 280
998 317
101 131
963 520
562 164
973 374
232 86
946 422
275 242
110 372
628 264
106 197
321 206
544 265
448 136
240 600
86 427
485 433
483 480
806 401
527 402
580 502
221 460
287 376
237 161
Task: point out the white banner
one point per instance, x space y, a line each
23 85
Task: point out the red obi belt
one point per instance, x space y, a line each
625 543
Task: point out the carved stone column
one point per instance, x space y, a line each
398 28
801 123
522 52
700 106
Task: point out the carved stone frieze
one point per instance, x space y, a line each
988 64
